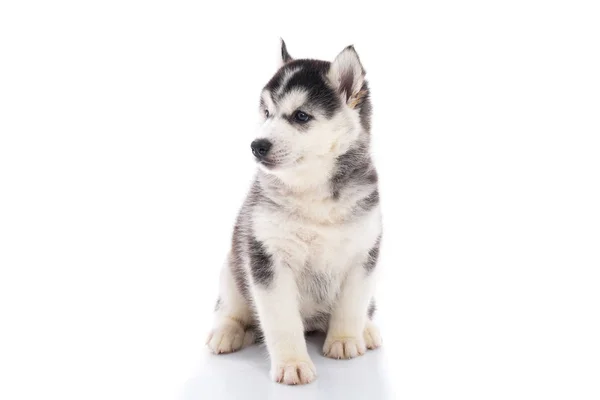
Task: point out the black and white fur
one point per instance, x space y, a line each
306 241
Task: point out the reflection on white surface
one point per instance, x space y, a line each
245 375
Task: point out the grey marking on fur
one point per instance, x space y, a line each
372 309
353 168
373 256
218 304
367 203
259 336
261 263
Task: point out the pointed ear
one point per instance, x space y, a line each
347 74
285 56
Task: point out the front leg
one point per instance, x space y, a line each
276 297
350 331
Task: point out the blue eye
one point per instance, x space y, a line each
301 116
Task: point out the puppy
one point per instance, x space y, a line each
306 241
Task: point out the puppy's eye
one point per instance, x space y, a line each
301 116
267 114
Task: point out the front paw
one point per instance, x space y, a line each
294 372
344 347
226 338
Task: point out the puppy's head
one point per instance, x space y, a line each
312 111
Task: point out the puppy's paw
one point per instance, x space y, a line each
372 336
344 347
226 338
294 372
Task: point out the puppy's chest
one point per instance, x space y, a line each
328 250
324 248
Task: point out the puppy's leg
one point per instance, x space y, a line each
276 298
232 317
350 331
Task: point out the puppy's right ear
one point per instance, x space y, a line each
285 56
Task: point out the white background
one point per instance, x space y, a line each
124 156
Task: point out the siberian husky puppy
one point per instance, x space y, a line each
305 245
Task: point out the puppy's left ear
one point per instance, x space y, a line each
347 74
285 56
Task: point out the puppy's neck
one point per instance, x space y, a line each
301 182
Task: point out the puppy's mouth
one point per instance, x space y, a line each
270 164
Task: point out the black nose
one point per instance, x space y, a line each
260 148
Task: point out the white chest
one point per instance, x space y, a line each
321 247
